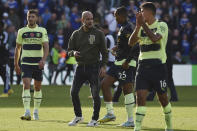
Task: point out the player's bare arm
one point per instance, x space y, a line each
16 58
46 52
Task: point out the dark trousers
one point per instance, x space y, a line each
4 73
85 73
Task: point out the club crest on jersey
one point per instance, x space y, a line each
91 39
38 35
32 34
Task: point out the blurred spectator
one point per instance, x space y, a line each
193 16
51 28
175 18
67 33
61 64
176 41
186 45
184 20
60 37
164 7
75 18
187 6
189 31
12 4
60 9
158 11
132 10
14 18
7 22
54 58
40 21
25 8
42 5
177 59
46 16
12 43
110 20
62 23
193 55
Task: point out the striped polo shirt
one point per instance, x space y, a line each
32 40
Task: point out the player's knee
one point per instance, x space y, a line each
37 88
141 99
26 86
164 101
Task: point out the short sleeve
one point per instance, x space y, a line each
162 29
45 36
19 37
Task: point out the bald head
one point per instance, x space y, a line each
87 19
86 14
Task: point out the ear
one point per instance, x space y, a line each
82 20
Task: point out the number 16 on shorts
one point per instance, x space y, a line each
163 85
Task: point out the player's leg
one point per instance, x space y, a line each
129 104
167 110
117 94
26 78
37 98
142 86
160 85
106 84
79 79
38 77
95 89
140 108
26 98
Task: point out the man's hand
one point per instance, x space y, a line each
77 54
102 71
139 19
125 65
113 51
17 69
41 64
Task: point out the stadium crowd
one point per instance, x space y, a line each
62 17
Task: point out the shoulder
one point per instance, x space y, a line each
129 27
162 23
22 29
98 31
42 29
76 32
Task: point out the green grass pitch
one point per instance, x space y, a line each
56 111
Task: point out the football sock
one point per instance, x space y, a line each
109 107
168 116
129 103
37 100
26 100
140 113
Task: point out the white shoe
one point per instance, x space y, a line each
92 123
75 121
35 116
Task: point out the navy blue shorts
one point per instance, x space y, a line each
152 78
32 71
122 75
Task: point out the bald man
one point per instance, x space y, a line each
86 44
